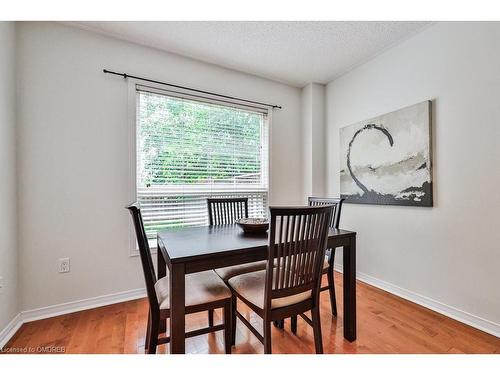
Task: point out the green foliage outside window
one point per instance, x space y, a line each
186 142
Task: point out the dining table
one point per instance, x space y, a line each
193 249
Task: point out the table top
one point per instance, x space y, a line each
183 244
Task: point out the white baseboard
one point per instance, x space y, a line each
452 312
84 304
66 308
10 330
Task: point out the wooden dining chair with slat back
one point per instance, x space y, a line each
330 253
205 291
328 263
224 211
290 284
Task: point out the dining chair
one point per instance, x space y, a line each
226 210
330 253
290 284
329 261
222 211
205 291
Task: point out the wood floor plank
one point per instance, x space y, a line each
76 343
386 324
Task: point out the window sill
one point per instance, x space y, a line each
153 247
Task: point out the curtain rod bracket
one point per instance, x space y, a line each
125 76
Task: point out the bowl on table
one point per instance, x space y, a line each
253 225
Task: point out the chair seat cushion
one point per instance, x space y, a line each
227 272
251 287
202 287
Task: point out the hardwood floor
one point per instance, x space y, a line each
386 324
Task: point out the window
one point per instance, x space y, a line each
189 149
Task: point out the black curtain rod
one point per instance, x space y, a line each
125 75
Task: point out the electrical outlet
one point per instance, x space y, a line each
63 265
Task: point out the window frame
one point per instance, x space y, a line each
132 140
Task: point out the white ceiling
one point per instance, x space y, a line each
295 53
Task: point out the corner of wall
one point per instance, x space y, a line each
313 133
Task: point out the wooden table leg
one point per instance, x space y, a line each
162 272
349 257
177 308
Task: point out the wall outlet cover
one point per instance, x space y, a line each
64 265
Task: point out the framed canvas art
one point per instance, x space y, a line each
387 160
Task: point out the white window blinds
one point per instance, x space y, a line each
188 150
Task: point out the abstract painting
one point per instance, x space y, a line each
387 159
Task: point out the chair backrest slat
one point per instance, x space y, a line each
335 202
297 244
226 210
145 254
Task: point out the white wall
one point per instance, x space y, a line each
307 124
8 217
73 154
313 140
449 253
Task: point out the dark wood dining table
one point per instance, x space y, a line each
189 250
